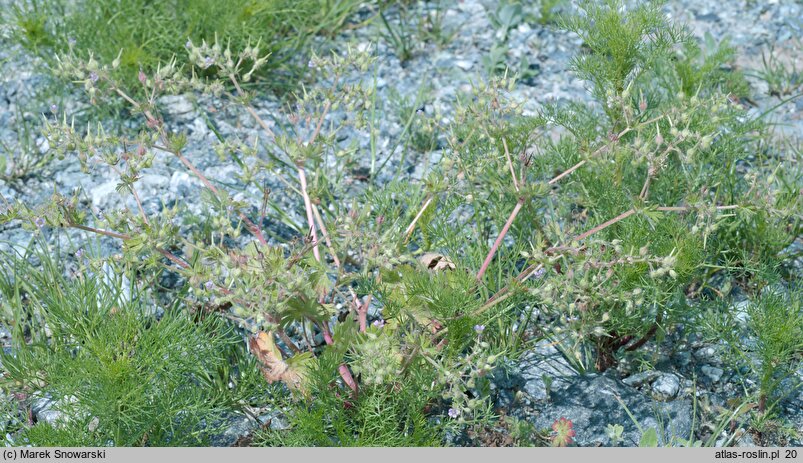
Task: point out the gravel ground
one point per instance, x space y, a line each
663 395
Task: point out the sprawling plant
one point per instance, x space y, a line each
635 200
382 301
349 249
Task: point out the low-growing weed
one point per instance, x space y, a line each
765 337
26 156
114 373
142 34
506 16
783 79
406 25
379 315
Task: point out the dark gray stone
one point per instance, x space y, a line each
47 410
712 373
239 426
545 362
591 403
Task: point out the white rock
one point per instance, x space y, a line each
181 182
104 195
176 104
153 182
667 386
463 64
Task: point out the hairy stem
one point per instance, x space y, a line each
510 165
250 109
165 140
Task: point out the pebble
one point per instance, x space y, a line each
704 353
713 373
666 387
638 379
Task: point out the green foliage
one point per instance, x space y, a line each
506 16
275 290
706 67
407 25
145 33
423 130
777 324
117 374
782 78
765 336
546 11
383 415
385 306
620 45
659 179
23 157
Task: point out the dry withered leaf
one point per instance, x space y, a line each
435 261
274 368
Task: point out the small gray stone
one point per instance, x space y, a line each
638 379
153 182
182 183
176 104
705 353
666 387
105 195
237 426
277 420
47 410
747 440
682 358
713 373
545 361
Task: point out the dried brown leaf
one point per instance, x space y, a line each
274 368
435 261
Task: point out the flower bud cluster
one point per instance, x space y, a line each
377 356
215 57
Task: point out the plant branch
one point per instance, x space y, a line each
510 165
411 227
605 225
325 234
499 238
250 109
302 177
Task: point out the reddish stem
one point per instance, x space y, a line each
362 312
251 225
327 336
348 378
499 238
343 369
607 224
